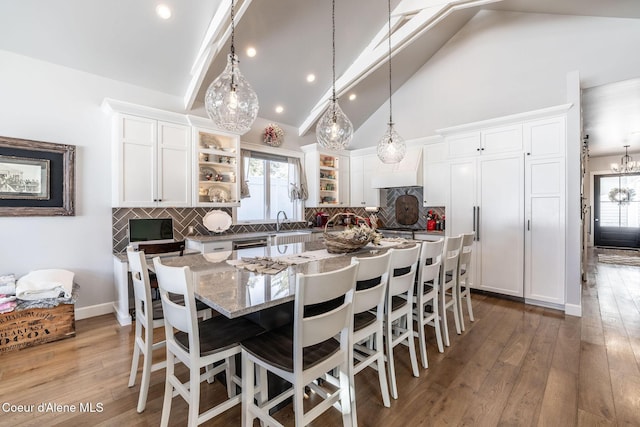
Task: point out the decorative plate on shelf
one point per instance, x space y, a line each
217 221
207 174
218 194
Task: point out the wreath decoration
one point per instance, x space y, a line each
273 135
622 195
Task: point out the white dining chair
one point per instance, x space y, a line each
464 270
148 316
398 324
425 299
305 351
197 345
449 285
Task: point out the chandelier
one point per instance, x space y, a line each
391 148
626 165
230 101
334 129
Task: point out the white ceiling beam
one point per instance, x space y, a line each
421 15
216 36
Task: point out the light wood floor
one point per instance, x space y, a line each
515 365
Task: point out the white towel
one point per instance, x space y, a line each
41 284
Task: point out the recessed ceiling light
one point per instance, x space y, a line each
163 11
251 52
311 78
352 97
279 109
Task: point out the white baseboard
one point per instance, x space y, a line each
93 310
573 310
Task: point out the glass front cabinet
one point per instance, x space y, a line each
216 168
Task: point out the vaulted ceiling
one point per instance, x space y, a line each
126 41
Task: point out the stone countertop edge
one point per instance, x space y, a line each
430 233
258 234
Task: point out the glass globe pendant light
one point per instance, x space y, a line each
391 148
626 165
334 129
230 101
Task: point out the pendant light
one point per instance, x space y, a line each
334 129
230 101
627 165
391 148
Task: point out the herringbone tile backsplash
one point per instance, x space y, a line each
183 218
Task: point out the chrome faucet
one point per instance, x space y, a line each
278 223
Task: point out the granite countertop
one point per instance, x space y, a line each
430 232
235 292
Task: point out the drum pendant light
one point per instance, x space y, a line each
230 101
334 129
391 148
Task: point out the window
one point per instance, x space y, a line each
269 179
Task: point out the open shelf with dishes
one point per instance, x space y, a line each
328 176
217 160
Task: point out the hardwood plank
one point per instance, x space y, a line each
560 403
594 388
587 419
625 396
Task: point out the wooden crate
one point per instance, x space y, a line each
26 328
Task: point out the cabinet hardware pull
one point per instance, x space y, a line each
528 225
474 224
478 224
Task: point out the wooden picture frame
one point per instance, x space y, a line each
36 178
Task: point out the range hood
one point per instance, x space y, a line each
406 173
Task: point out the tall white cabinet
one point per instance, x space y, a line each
506 184
361 170
152 162
487 198
545 211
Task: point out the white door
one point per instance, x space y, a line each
544 235
500 224
174 165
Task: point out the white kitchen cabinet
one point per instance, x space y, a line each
210 246
435 172
361 169
327 177
151 162
544 233
496 140
545 137
217 174
487 198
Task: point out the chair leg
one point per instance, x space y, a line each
168 391
412 346
248 391
134 363
456 314
230 371
469 308
436 325
459 304
298 399
382 376
347 395
194 396
421 336
443 317
146 377
388 337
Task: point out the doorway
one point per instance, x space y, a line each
617 210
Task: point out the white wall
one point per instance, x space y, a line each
46 102
502 63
